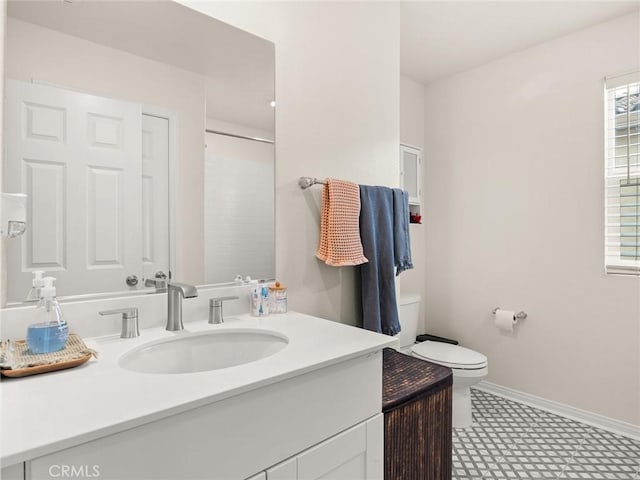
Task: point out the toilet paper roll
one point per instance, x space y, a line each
505 320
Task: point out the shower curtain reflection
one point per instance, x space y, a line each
238 208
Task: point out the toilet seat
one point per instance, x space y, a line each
448 355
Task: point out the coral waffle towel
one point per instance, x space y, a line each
340 243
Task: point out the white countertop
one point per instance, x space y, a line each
49 412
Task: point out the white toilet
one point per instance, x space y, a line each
468 366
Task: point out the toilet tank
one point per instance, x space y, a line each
409 312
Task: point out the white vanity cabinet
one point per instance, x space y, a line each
355 454
14 472
330 414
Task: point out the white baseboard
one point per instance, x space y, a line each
584 416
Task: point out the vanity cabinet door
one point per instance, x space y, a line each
287 470
14 472
343 456
355 454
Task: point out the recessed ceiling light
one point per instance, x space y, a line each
272 103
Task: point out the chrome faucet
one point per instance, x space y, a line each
175 293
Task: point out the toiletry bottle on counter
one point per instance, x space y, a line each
49 331
260 300
277 298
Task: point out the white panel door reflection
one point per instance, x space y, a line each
155 195
79 158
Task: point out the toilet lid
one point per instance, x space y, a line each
452 356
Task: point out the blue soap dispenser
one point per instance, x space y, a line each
49 331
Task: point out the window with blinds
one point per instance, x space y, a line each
622 172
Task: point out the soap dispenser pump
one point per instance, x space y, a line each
49 331
36 287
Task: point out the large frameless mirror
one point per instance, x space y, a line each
142 133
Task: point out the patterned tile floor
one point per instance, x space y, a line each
509 440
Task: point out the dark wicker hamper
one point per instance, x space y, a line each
416 402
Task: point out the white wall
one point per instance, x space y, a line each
514 185
412 133
411 112
3 19
42 54
337 115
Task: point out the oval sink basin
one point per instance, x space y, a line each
200 352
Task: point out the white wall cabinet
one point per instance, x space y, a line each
352 454
411 173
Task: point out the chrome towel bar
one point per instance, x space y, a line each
306 182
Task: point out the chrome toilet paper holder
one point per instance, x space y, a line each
518 316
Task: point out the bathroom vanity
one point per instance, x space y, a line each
310 408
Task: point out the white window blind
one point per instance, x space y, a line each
622 175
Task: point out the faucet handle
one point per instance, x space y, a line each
128 312
160 284
215 308
218 300
129 321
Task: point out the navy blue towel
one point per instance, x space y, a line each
401 241
379 307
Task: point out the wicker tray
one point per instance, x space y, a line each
74 354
